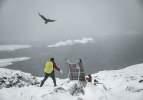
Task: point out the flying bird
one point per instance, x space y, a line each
46 19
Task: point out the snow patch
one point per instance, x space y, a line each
10 61
13 47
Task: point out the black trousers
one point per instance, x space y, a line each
52 75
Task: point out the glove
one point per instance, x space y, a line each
61 71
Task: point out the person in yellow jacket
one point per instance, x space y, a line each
49 71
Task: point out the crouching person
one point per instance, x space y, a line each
88 78
49 71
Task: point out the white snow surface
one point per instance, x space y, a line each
14 78
124 84
13 47
10 61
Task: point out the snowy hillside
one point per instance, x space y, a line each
124 84
12 78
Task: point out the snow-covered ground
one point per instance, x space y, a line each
12 78
124 84
13 47
10 61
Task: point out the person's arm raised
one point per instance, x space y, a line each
55 66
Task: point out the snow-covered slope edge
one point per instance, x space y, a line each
12 78
124 84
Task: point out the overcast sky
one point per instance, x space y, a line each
19 20
116 26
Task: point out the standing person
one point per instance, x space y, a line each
49 71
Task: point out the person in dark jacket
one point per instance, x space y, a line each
88 78
49 71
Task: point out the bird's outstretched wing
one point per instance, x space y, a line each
43 17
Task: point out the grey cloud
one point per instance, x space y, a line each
2 2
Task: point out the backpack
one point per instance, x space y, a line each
49 67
